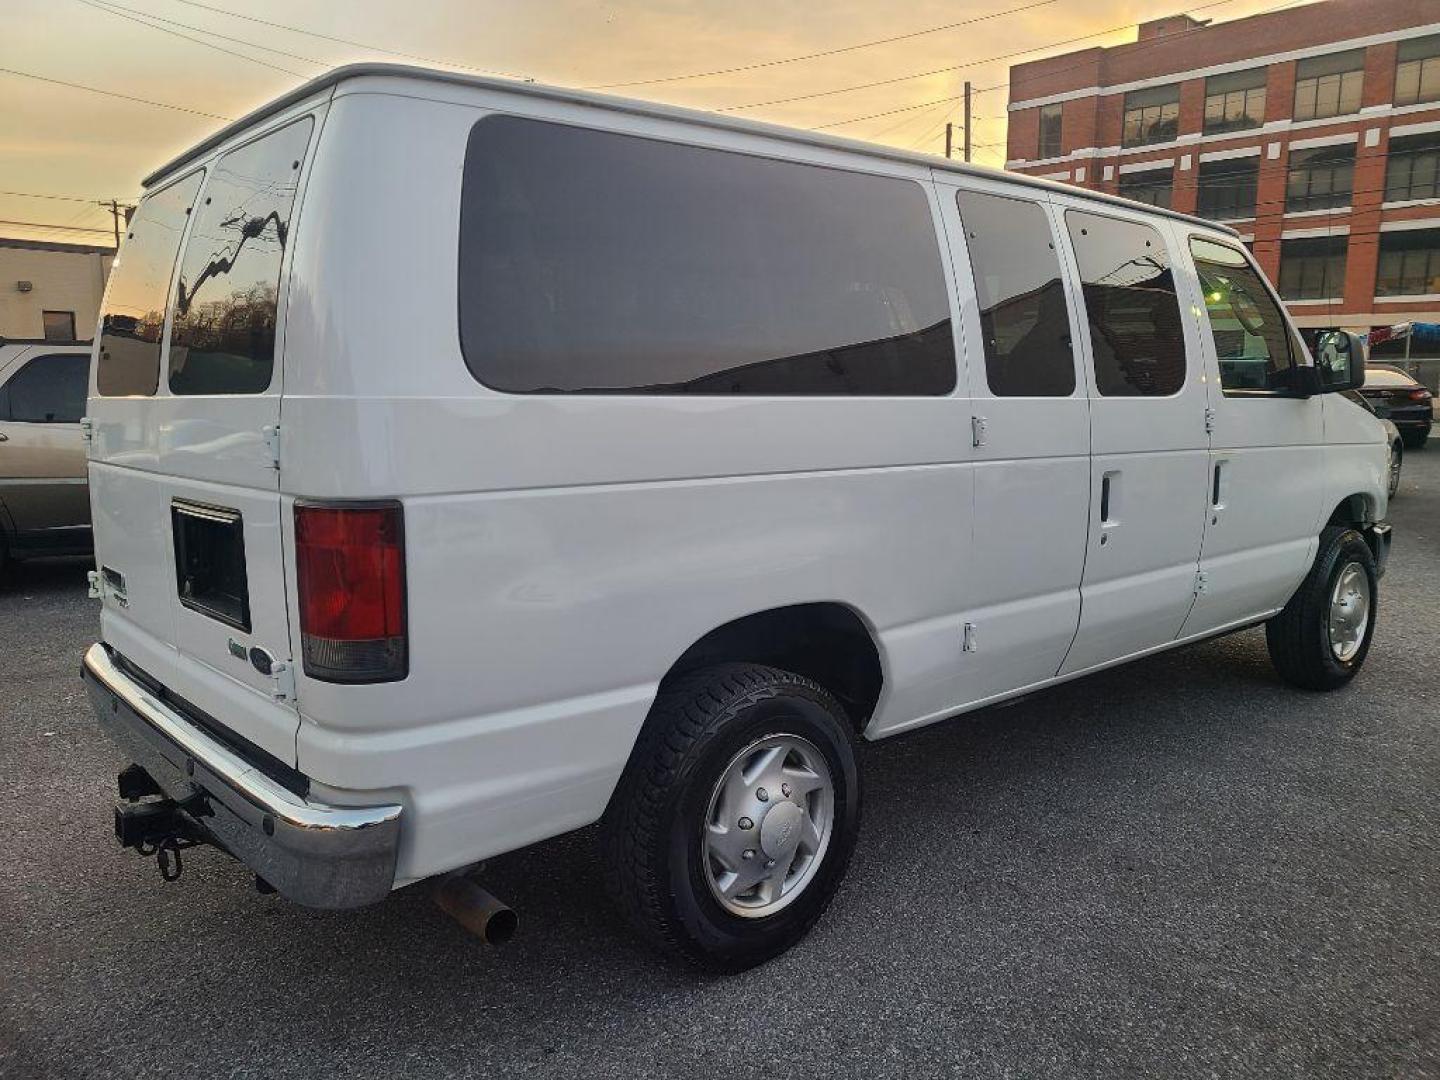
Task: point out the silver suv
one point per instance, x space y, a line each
44 502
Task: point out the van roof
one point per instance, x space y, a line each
331 79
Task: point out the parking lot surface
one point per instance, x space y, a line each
1177 868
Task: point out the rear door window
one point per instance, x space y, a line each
1136 335
1024 320
129 355
223 337
592 262
47 390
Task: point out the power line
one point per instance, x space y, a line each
974 63
216 34
60 198
888 128
817 55
194 40
346 41
112 93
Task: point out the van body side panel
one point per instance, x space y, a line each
541 622
564 550
1356 457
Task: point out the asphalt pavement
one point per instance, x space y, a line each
1179 868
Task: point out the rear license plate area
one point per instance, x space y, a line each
210 562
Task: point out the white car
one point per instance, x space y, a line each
473 461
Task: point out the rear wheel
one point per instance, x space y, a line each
735 818
1416 439
1321 638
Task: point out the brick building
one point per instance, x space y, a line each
1313 131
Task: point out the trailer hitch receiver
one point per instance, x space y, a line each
159 827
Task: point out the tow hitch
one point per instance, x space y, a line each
154 825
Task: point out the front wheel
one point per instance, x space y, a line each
1397 459
1321 638
735 818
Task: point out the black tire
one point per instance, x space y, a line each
1397 460
1416 440
1299 637
652 828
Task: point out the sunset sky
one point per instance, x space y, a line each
56 140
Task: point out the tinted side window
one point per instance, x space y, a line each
129 360
1024 321
223 338
47 390
594 262
1252 342
1130 304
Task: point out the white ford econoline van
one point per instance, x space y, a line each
473 461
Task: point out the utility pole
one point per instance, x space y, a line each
967 121
116 209
949 137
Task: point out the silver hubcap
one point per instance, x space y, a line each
1394 469
768 825
1349 611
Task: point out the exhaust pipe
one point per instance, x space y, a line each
476 910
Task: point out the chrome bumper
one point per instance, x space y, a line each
314 854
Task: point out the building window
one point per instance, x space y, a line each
1313 268
59 325
1412 168
1417 71
1152 186
1409 263
1050 130
1227 188
1235 101
1329 85
1152 116
1320 179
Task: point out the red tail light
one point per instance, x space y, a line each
1420 394
350 568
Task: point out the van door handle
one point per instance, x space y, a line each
1109 504
1219 487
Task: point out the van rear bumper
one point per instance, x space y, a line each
314 854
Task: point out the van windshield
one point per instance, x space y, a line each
129 355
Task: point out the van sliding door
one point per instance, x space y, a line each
1029 430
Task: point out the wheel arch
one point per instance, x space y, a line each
1358 509
827 641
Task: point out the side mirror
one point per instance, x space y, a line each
1340 361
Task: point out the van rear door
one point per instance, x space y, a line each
184 466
